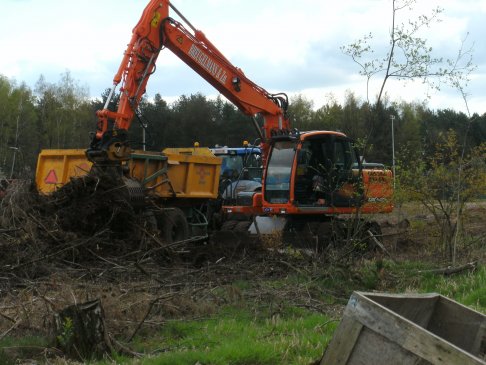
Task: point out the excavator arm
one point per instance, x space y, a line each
157 30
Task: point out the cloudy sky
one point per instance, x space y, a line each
282 45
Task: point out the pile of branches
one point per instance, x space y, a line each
86 223
84 220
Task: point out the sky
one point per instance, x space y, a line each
282 45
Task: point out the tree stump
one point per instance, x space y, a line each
80 331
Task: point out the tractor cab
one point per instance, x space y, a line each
241 173
240 162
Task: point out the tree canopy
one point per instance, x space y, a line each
61 115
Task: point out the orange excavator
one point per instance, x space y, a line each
307 176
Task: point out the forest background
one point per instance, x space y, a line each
62 115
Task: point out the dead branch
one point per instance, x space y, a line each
40 225
450 270
15 325
7 317
152 303
380 245
45 257
10 230
294 268
145 272
122 349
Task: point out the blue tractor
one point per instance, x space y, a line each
241 177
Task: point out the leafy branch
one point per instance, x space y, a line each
408 56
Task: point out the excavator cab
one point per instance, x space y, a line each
318 169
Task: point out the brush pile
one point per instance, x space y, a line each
88 222
78 221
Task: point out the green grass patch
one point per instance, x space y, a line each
13 348
293 335
468 288
243 336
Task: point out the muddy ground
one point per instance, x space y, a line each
53 256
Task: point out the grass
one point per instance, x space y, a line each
468 288
243 336
294 335
13 348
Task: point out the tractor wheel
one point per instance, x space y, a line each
174 226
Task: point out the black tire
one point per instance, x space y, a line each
229 225
174 226
242 226
325 234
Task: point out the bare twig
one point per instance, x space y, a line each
10 230
123 349
44 228
145 272
7 317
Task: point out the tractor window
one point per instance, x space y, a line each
231 166
253 169
277 183
253 160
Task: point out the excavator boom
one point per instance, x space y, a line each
157 30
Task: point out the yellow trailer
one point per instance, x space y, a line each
56 167
172 173
181 179
177 172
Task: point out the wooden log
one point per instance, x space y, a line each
450 270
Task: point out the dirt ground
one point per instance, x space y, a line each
142 283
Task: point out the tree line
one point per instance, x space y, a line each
62 115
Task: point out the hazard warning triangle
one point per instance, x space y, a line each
51 177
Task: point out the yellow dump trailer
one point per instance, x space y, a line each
56 167
172 173
184 178
177 172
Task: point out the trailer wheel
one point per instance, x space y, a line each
174 226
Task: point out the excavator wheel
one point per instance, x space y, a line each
242 226
338 231
173 225
229 225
